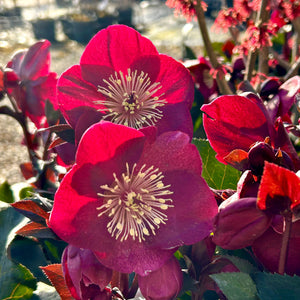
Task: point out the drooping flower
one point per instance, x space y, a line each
36 82
133 197
185 8
123 79
85 277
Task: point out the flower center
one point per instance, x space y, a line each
135 203
130 99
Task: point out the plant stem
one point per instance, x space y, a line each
263 53
21 119
252 54
293 70
285 243
295 49
222 84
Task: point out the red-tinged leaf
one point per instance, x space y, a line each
278 186
57 128
31 229
55 275
237 158
57 142
31 206
27 170
50 175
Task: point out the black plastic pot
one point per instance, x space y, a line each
105 20
125 16
79 30
11 12
44 29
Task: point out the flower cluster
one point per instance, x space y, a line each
186 8
155 178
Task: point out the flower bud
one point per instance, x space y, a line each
164 283
85 276
258 154
239 223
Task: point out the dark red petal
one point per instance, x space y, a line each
177 83
176 117
234 122
36 62
287 93
191 218
74 92
173 151
104 48
103 140
278 183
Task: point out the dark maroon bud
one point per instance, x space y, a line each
258 154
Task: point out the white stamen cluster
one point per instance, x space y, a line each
130 99
135 202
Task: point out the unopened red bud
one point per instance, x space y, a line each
258 154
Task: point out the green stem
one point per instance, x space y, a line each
285 243
222 83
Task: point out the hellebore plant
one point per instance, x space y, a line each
158 179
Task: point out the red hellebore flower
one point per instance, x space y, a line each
85 276
237 122
36 82
133 197
123 79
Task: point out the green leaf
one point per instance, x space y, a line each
30 254
26 192
16 281
217 175
275 286
6 193
236 286
243 265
